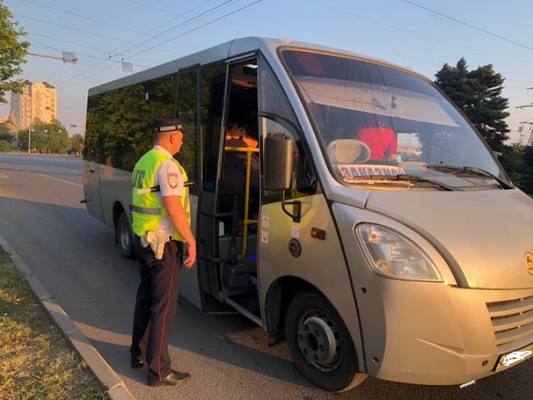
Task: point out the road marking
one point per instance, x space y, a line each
3 176
61 180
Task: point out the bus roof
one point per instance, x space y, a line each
227 50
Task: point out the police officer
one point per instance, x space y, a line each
161 225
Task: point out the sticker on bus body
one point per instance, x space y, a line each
350 171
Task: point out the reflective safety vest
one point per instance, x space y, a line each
146 209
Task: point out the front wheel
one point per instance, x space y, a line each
124 237
320 344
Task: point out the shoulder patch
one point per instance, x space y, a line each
172 179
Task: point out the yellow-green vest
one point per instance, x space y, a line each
146 209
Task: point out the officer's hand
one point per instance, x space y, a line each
191 256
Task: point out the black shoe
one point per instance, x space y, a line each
173 378
136 363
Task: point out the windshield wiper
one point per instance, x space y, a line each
474 170
407 178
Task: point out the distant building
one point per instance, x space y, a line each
37 101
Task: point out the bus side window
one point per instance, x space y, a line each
213 86
187 113
277 116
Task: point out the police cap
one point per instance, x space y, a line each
161 125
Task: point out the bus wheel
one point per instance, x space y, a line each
320 344
124 237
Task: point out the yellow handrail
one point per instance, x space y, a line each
246 222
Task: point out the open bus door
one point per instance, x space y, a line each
227 220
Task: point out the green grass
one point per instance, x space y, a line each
36 361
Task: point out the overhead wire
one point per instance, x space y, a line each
194 29
174 27
152 7
77 29
66 27
432 64
477 28
130 41
201 26
67 84
99 21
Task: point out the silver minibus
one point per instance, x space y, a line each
371 227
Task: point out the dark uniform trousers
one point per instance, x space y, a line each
155 306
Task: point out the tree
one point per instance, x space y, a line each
5 146
76 143
45 137
5 133
479 94
512 160
526 184
13 51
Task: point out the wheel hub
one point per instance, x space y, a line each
318 341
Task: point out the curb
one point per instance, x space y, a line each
116 388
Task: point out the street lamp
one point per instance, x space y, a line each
30 130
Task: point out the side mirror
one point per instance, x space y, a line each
279 157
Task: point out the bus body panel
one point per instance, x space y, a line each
115 190
486 232
426 332
321 262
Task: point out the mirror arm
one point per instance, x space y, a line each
297 208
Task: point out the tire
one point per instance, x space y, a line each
320 344
124 236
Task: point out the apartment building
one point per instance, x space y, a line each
38 100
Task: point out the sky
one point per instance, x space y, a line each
146 33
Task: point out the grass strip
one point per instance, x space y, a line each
36 361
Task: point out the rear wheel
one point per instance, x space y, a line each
124 236
320 344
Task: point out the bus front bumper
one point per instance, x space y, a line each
442 335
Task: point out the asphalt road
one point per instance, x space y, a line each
74 256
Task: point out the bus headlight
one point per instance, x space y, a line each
393 255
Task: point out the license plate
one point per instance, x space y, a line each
515 357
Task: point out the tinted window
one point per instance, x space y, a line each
213 83
187 112
119 121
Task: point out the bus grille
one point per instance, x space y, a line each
512 321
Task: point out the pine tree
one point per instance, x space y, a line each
479 94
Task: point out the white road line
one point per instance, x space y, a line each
61 180
3 176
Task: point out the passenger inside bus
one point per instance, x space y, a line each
382 142
233 179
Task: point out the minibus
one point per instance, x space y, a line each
371 228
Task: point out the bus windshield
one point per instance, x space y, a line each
378 122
